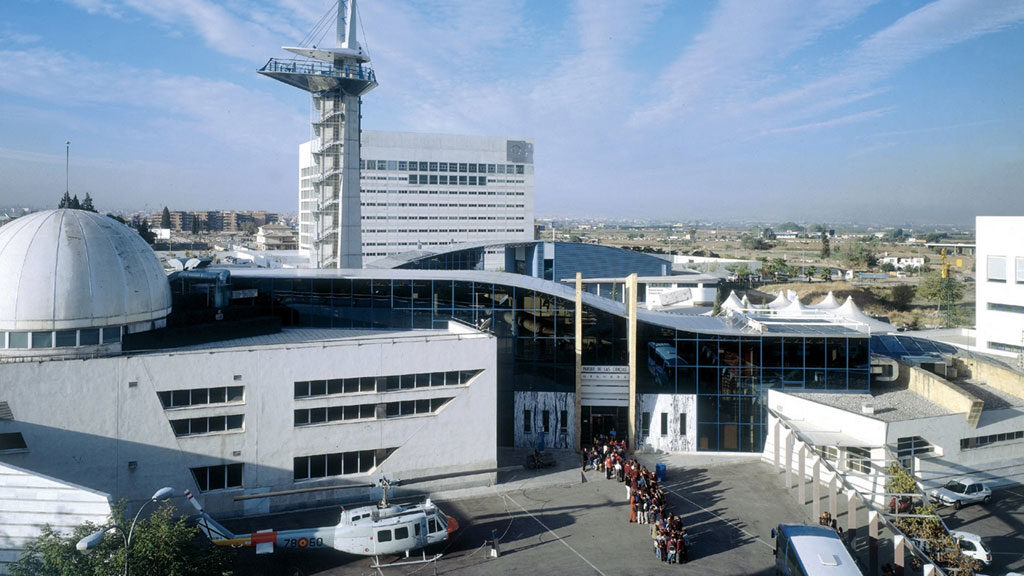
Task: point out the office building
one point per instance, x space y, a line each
425 191
999 302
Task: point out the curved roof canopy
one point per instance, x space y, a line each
68 269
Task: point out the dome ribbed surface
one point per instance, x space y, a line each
66 269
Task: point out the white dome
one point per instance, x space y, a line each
67 269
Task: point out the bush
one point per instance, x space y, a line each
902 295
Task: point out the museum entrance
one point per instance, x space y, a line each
599 421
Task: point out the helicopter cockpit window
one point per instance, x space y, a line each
417 529
401 533
384 536
432 525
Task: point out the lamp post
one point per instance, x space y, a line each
92 540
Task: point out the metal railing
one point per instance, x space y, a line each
313 67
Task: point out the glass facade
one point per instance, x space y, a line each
729 374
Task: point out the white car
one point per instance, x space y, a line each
972 546
962 491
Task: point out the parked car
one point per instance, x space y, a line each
962 491
972 546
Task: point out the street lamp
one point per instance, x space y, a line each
92 540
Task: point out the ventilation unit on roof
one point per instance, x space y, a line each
867 408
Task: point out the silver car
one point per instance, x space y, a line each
962 491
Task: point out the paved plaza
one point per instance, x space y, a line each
562 521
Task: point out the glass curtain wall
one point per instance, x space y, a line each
730 375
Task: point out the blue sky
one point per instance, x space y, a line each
831 111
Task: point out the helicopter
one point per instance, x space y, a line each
384 528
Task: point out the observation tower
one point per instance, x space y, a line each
336 78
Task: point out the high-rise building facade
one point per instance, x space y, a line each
421 191
999 301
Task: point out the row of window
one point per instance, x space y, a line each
310 416
207 424
645 424
980 441
446 217
60 338
1015 348
489 192
438 205
200 396
219 477
996 266
311 388
445 181
413 166
913 446
339 463
996 307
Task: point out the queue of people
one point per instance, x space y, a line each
647 504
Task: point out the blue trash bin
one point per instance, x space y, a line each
659 471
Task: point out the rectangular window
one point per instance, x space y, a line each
682 424
384 536
195 426
12 442
433 166
402 165
401 533
1019 260
645 424
563 420
88 337
545 417
913 446
1005 308
338 464
42 339
111 335
527 422
664 423
442 167
218 477
65 338
200 396
858 459
18 340
996 268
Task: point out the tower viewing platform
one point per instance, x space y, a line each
314 76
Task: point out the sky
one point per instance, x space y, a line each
815 111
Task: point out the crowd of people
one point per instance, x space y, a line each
646 498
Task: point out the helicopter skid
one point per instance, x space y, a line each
376 565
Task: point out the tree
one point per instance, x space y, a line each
165 218
248 227
87 203
143 229
935 288
65 201
826 249
75 204
861 254
161 544
751 242
902 295
826 275
791 227
811 271
195 225
887 267
717 308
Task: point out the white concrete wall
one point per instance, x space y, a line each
29 500
536 403
999 236
999 463
674 405
84 421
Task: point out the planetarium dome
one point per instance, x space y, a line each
73 278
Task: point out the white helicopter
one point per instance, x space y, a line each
384 528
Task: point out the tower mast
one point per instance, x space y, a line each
336 78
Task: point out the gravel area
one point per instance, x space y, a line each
891 403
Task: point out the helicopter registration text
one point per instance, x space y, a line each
303 542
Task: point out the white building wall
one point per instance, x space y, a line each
537 402
86 421
1000 236
673 439
399 216
29 500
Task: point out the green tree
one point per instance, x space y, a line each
752 242
196 224
945 292
902 295
861 254
887 267
161 544
717 308
826 248
65 201
811 271
825 274
165 218
87 203
75 204
143 229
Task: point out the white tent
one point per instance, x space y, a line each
794 307
829 302
780 301
850 311
732 303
